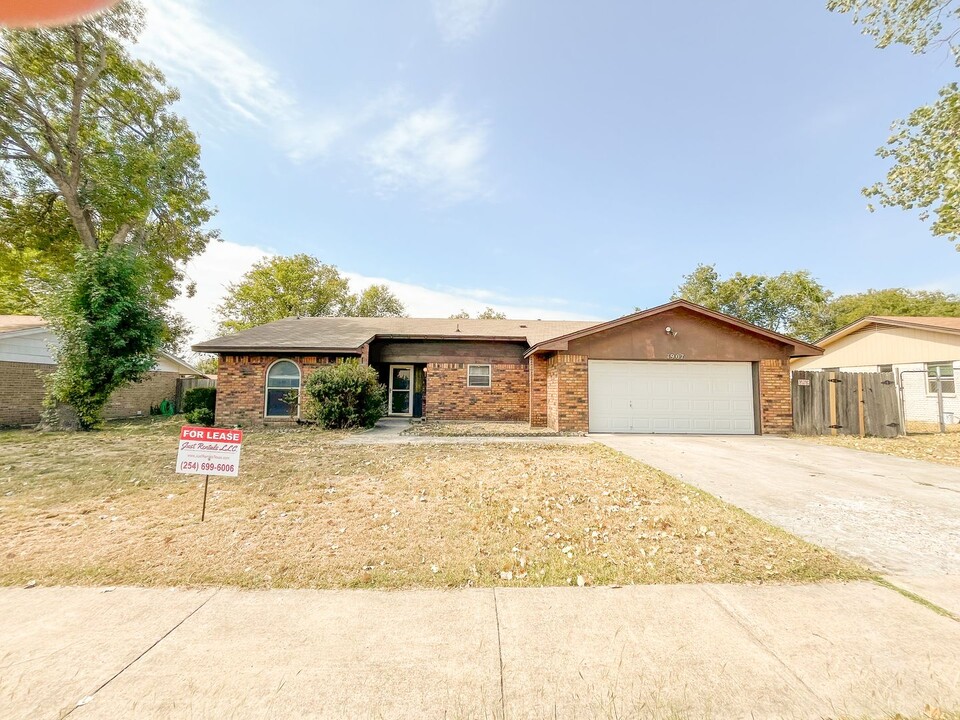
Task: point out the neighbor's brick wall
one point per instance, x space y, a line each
776 405
241 384
21 392
447 396
567 409
136 398
537 370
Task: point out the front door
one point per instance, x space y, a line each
401 390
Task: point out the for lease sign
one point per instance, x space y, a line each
209 451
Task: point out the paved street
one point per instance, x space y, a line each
696 651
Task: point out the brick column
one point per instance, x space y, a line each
567 409
538 390
776 404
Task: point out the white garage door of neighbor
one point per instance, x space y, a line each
671 397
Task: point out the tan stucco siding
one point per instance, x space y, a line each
880 345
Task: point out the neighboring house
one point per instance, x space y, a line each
677 368
25 357
914 349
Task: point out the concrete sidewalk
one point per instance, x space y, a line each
684 651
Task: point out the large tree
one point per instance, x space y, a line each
925 147
488 313
793 303
299 285
92 157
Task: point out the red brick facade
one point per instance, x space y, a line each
448 397
776 402
22 392
241 385
567 402
538 391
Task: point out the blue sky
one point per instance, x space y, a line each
562 159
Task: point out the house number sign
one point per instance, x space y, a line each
675 356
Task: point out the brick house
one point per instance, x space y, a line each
677 368
25 358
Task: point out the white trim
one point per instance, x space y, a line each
489 375
266 388
188 369
410 391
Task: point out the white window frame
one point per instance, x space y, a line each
267 389
932 379
489 375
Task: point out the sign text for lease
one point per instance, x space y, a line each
209 451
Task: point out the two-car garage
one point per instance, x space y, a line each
644 396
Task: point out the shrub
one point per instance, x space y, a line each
345 395
200 416
201 397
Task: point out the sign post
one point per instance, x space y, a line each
209 451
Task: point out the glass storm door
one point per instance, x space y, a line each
401 389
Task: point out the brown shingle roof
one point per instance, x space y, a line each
9 323
940 324
347 334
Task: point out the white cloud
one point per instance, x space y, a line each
225 262
460 20
432 149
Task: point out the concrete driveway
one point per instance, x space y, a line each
900 517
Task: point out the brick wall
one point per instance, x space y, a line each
567 408
776 405
537 370
135 399
21 392
448 397
241 384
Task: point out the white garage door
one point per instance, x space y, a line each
671 397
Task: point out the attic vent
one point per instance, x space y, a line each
523 326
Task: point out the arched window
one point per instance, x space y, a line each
283 389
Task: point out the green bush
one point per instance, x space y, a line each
345 395
201 397
200 416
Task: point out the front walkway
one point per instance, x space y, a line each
388 431
668 651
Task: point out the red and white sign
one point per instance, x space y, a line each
209 451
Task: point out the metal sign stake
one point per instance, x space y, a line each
203 512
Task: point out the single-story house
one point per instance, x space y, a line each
677 368
25 358
914 349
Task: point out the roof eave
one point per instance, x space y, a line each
263 350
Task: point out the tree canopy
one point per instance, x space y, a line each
846 309
92 156
299 285
792 303
107 331
924 148
488 313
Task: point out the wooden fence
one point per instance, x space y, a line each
184 384
836 403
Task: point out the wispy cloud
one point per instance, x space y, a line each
409 146
460 20
431 148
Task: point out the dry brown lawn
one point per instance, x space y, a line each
106 508
932 447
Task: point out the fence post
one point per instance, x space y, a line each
943 426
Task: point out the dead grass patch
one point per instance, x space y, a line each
933 447
106 508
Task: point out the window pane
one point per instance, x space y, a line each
400 402
401 378
282 402
284 370
478 376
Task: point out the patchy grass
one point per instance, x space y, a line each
106 508
933 447
464 428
